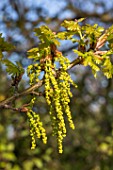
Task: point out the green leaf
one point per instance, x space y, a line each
10 147
89 59
100 29
46 35
110 38
28 165
8 156
78 52
92 32
66 35
35 53
71 25
38 162
15 167
107 68
13 69
62 35
33 50
4 46
81 19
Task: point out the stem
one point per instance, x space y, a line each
75 62
31 89
23 93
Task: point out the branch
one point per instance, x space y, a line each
77 61
23 93
21 109
31 90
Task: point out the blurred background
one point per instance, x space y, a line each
90 145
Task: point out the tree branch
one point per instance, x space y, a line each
31 90
21 109
77 61
23 93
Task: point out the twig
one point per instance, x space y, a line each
21 109
31 90
37 93
77 61
17 95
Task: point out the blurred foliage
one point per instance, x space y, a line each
4 46
90 145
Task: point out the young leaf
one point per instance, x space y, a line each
4 46
46 36
12 68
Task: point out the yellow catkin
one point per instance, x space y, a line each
57 94
36 128
58 98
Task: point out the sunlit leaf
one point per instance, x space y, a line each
12 68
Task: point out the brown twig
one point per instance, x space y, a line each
77 61
21 109
31 90
23 93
